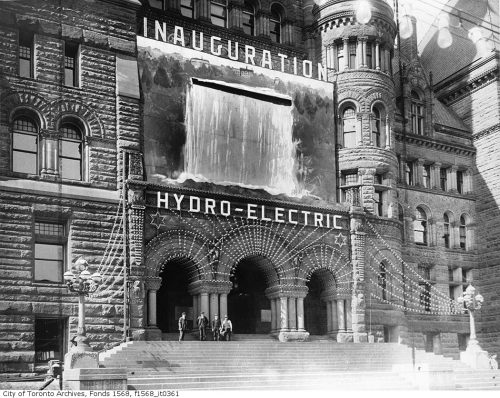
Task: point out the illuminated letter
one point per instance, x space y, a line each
263 214
161 201
307 68
283 57
322 73
305 213
290 216
225 208
266 59
328 220
192 201
160 30
210 205
249 54
318 219
335 225
278 214
294 65
195 47
251 211
178 199
179 35
212 46
236 55
145 27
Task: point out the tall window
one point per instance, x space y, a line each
446 232
425 296
218 12
70 151
460 181
352 55
443 178
25 145
420 227
417 114
71 65
349 127
156 4
50 243
340 57
26 52
369 55
376 126
409 175
187 8
49 339
382 280
349 180
463 233
248 19
275 23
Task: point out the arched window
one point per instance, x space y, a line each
275 23
349 127
71 151
420 227
248 19
463 233
446 230
25 145
417 114
401 218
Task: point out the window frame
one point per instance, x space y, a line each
16 131
60 240
462 232
443 179
81 143
422 218
248 11
417 114
223 4
352 134
72 52
187 10
276 18
26 40
446 231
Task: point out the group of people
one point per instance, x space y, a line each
221 329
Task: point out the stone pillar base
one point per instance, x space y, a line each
475 357
152 334
95 379
344 338
292 336
81 359
360 337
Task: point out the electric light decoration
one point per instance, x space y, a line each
444 39
483 47
363 12
405 27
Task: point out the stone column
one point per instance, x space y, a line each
341 315
205 307
214 306
334 316
273 315
468 181
348 315
452 178
359 129
300 314
262 24
283 314
346 53
435 176
292 313
202 9
152 286
359 54
223 305
363 52
377 55
234 17
388 135
329 326
420 173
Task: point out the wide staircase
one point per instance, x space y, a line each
257 363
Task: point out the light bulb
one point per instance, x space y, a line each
444 39
363 12
405 27
475 34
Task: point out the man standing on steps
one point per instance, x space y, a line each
202 322
227 328
182 326
216 328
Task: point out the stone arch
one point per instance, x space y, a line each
62 108
254 241
326 257
375 97
176 244
353 95
35 103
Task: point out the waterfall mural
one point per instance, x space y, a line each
213 120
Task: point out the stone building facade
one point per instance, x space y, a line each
372 228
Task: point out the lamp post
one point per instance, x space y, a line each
474 356
80 281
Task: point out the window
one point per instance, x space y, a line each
446 227
349 180
417 114
376 127
340 57
248 19
50 243
70 151
425 296
460 181
420 227
71 65
218 12
410 180
25 145
26 50
349 127
187 8
443 179
275 23
427 176
382 280
369 56
49 339
156 4
379 203
463 233
352 55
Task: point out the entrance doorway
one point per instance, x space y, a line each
173 297
315 317
248 307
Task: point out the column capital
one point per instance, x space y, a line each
152 282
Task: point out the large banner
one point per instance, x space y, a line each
211 119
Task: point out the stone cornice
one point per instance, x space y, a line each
486 132
436 144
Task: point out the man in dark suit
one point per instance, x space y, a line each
216 327
182 326
202 322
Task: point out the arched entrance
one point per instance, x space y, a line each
173 297
320 286
249 309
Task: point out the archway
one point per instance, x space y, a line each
173 297
319 286
249 309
